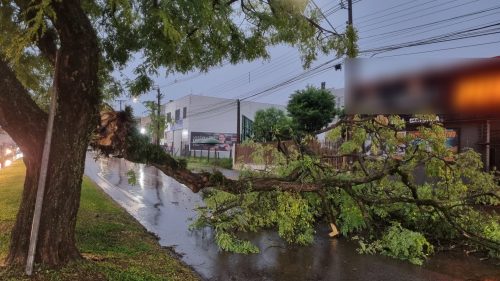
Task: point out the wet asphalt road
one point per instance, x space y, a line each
165 207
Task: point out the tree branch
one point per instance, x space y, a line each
20 117
46 42
488 243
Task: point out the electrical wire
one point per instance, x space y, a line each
405 20
458 35
443 49
412 35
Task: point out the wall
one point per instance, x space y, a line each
207 114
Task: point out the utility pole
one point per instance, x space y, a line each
349 11
121 101
158 112
351 53
238 122
487 152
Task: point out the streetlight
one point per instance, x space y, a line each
143 130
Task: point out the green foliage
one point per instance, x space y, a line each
22 36
230 215
229 242
351 36
174 36
376 197
400 243
131 177
271 123
295 219
350 217
185 35
311 109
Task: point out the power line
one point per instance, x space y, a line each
253 94
372 15
324 17
416 17
406 35
432 23
463 34
442 49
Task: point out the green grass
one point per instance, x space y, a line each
113 244
204 164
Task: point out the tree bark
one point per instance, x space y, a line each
76 85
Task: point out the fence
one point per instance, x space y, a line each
185 151
327 151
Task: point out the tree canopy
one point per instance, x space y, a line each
164 36
311 109
270 123
72 48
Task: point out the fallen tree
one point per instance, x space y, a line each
405 187
72 48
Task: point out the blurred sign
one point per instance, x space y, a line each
477 93
467 87
218 141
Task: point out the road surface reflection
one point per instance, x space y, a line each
165 207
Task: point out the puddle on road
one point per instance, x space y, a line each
165 207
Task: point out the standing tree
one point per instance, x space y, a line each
71 47
271 123
311 109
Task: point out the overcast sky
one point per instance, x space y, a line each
379 22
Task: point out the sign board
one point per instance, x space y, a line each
210 140
471 87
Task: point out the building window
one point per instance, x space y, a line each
169 117
184 112
177 114
247 130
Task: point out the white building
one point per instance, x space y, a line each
339 97
197 123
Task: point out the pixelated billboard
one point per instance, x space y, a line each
470 87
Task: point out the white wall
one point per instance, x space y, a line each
208 114
339 95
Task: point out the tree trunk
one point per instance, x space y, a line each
78 99
56 240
